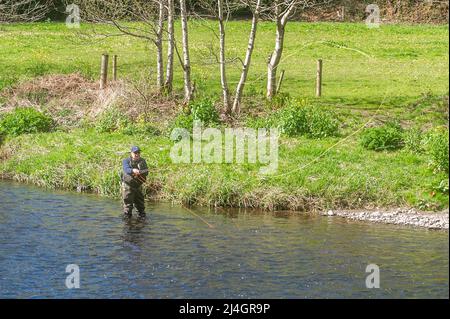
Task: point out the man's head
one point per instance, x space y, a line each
135 152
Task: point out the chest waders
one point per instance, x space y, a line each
132 194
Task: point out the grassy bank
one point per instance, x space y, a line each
371 76
349 176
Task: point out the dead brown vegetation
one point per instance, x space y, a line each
71 98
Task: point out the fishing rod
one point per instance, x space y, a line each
198 216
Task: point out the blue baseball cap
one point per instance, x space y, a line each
135 149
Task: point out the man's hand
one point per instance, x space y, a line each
136 171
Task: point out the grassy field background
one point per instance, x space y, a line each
362 66
396 71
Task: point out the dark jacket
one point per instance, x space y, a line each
127 172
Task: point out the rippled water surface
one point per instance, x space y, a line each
174 254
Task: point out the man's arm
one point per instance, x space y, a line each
127 169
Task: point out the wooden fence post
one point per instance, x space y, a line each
104 71
319 78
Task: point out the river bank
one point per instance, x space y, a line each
399 216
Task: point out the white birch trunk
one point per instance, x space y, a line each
186 59
275 58
159 48
248 57
170 46
223 75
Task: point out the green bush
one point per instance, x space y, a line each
438 149
292 120
299 119
386 137
321 124
25 120
204 110
111 120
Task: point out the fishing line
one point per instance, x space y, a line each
198 216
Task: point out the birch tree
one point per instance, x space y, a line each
186 61
221 11
168 84
159 45
281 11
222 60
256 11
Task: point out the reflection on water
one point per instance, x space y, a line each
174 254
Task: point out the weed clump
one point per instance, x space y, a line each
23 121
201 110
438 150
298 118
387 137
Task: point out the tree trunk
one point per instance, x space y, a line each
248 57
282 13
275 58
159 48
186 59
170 46
223 75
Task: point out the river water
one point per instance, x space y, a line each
175 254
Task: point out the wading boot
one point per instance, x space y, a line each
141 215
126 216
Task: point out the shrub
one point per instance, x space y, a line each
25 120
292 120
299 119
204 110
321 123
386 137
111 120
438 149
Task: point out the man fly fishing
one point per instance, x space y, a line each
133 175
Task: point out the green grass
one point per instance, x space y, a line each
397 72
362 66
348 176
